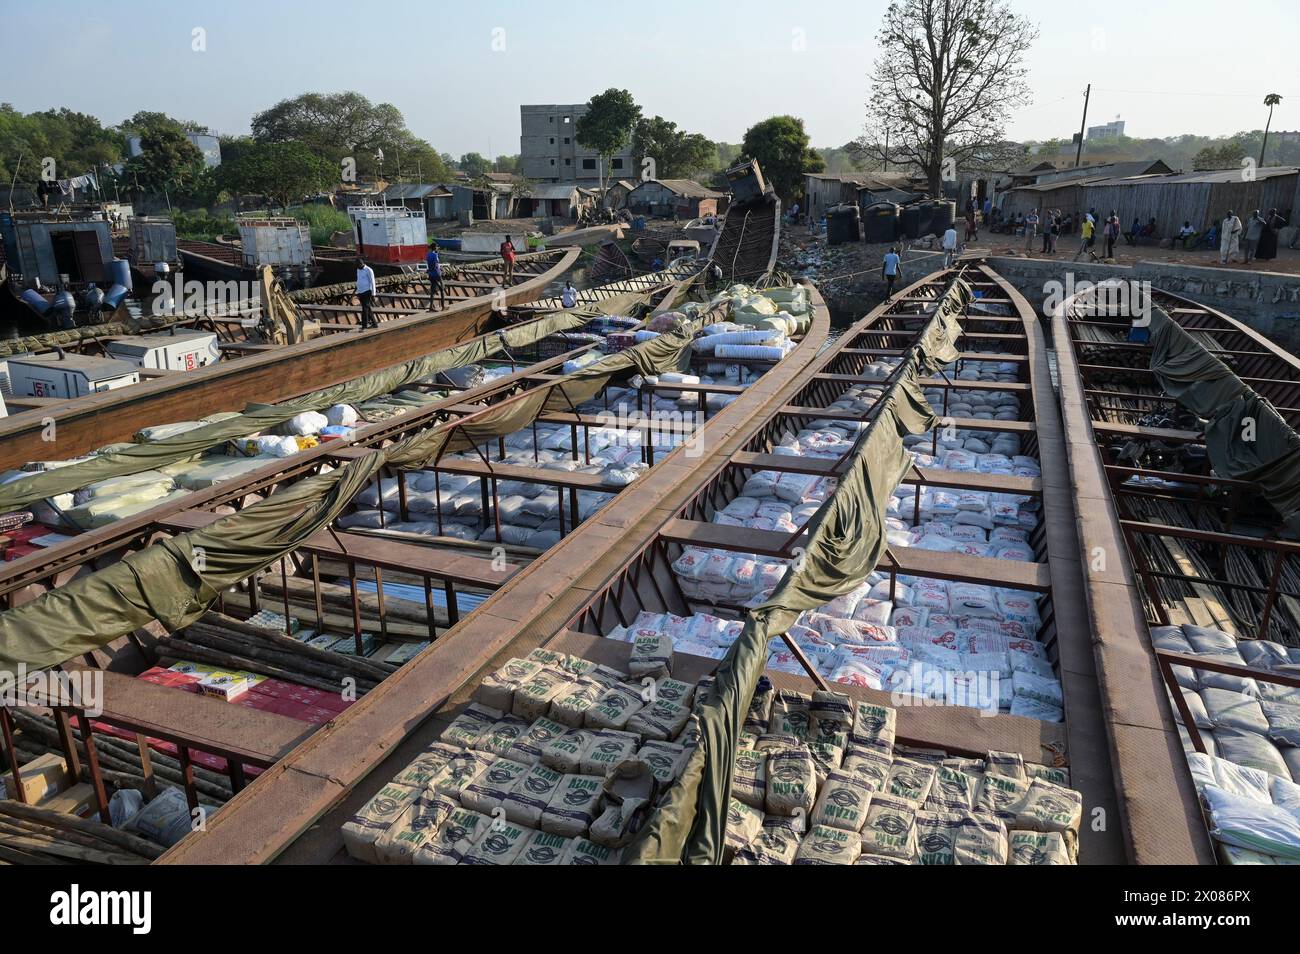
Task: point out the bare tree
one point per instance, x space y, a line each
944 85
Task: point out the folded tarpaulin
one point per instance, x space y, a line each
1245 437
258 417
846 538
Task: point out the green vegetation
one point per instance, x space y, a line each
780 144
607 124
324 220
282 171
202 226
677 154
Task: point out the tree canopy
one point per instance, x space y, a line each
284 171
168 162
780 145
949 75
677 154
607 124
474 164
75 141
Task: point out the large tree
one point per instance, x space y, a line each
949 74
333 125
607 125
677 154
168 163
474 165
780 146
285 171
75 141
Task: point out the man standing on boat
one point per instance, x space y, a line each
568 295
508 257
434 266
889 272
366 294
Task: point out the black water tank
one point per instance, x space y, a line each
909 221
842 225
881 223
926 224
945 214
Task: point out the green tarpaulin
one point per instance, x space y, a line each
259 417
1245 436
175 580
846 539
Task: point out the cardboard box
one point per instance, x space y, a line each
42 777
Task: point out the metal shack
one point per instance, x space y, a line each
390 235
153 240
681 198
40 246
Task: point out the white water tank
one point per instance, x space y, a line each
184 351
68 375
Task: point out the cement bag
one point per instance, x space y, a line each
533 697
791 781
607 749
842 802
981 840
1048 807
666 760
417 826
342 415
630 792
824 845
564 753
527 748
936 836
459 772
953 791
910 780
744 824
530 794
749 777
1001 796
660 721
870 765
501 844
1035 848
362 831
890 828
489 789
789 714
614 707
773 846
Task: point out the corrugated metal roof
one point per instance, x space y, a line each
408 190
1214 175
685 187
554 190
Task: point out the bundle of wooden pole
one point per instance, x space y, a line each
33 835
224 641
119 759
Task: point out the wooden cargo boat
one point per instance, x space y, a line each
271 373
1169 543
567 601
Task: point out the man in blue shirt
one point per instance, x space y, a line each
889 272
435 276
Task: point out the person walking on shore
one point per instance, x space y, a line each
366 294
949 246
1254 229
1112 233
889 271
1229 237
1031 227
1087 235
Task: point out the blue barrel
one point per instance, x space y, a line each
120 271
35 300
114 297
638 222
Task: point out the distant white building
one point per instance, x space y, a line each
1107 130
205 143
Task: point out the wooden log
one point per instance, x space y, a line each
108 833
291 661
214 623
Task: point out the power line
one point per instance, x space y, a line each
1183 92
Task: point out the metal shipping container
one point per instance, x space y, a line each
187 351
68 375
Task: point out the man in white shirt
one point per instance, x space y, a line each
949 246
1229 237
366 294
1031 229
568 295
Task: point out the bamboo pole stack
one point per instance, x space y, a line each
33 835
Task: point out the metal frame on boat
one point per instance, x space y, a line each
1165 542
567 599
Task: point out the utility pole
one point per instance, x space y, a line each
1078 153
886 148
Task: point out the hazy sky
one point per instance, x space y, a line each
459 71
